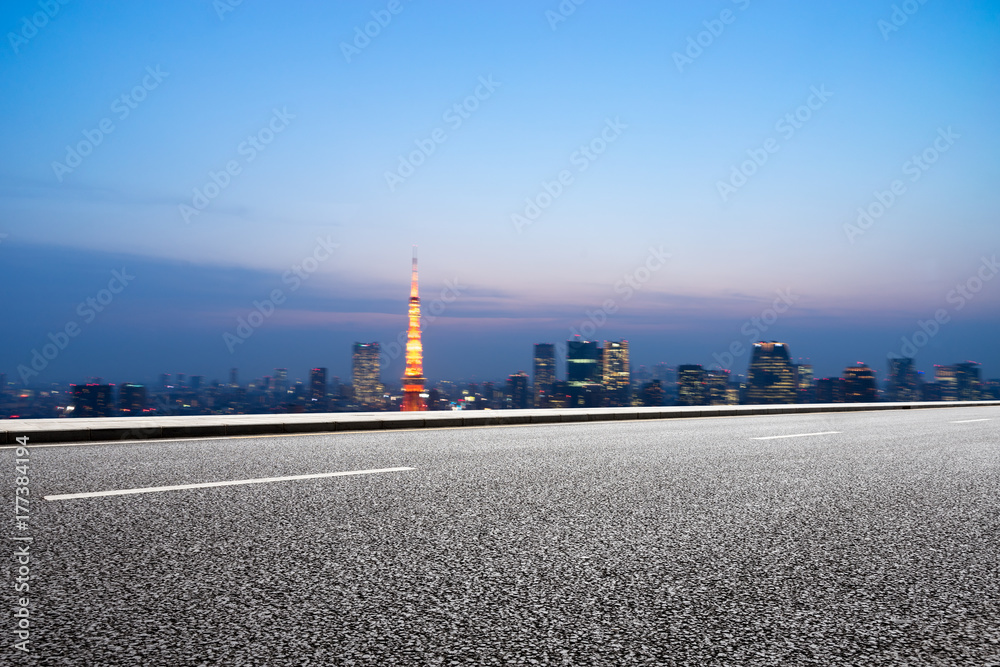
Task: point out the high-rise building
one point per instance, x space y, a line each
317 386
366 375
771 378
279 383
414 398
947 378
583 362
652 394
93 400
902 384
583 373
488 396
561 396
931 391
968 380
717 388
616 376
991 390
830 390
131 399
691 387
804 391
233 378
517 391
545 373
859 384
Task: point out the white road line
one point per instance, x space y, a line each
967 421
794 435
180 487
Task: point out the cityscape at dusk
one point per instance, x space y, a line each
596 376
547 165
500 332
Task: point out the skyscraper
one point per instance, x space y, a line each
317 387
583 362
280 383
770 378
652 394
616 376
517 391
413 376
691 389
859 384
969 381
131 399
902 384
947 378
717 388
366 375
804 391
545 373
830 390
93 400
583 373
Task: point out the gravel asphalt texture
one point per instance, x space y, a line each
674 542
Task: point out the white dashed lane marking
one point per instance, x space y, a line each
794 435
208 485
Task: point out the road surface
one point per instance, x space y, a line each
822 539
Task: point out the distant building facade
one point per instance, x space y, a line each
771 378
717 388
969 381
691 385
584 373
93 400
366 375
132 399
516 396
317 390
616 376
903 383
545 374
860 385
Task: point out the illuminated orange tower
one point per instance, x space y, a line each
413 377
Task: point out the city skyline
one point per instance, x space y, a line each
662 174
596 377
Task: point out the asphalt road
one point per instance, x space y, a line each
683 542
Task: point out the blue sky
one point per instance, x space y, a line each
336 124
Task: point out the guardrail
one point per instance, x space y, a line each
213 426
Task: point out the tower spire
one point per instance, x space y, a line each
413 278
413 377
